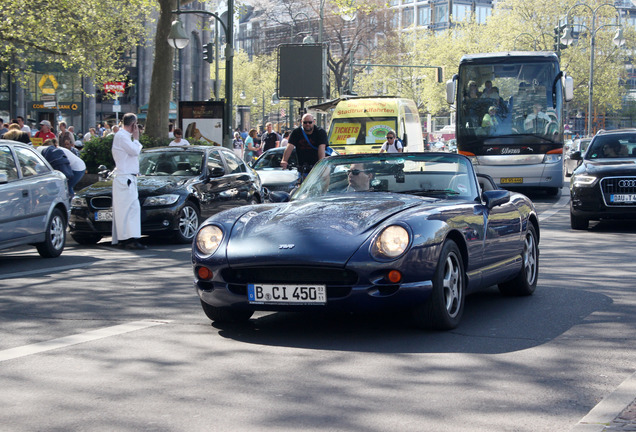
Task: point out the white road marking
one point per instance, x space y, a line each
17 352
556 207
28 273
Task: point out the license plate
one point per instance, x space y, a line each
508 180
623 198
103 215
287 294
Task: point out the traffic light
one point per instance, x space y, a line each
440 75
558 32
208 53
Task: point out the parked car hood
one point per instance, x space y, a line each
146 185
274 176
601 167
326 229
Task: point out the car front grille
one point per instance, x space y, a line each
101 202
308 275
618 185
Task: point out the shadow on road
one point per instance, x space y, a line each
491 324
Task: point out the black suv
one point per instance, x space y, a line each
604 184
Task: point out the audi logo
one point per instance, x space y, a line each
627 183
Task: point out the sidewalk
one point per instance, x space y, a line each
617 412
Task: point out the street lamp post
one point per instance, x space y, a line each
351 55
618 40
179 39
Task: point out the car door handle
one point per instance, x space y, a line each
25 193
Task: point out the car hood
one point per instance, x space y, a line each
603 167
146 185
274 176
328 230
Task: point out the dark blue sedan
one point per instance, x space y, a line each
412 231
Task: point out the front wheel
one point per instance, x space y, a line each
188 223
444 308
525 282
225 315
54 237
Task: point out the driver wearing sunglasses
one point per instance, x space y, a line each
359 178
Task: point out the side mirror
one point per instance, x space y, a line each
4 178
495 198
217 172
451 90
568 88
405 140
576 155
278 196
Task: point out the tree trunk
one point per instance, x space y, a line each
161 82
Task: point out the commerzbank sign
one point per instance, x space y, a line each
61 106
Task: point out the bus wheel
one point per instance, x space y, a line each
553 191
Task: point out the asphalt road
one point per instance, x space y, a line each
104 339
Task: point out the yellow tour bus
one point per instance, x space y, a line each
360 124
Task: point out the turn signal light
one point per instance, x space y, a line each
204 273
394 276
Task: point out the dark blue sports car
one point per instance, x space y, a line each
415 231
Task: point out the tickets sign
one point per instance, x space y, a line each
345 133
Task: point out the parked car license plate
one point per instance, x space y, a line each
287 294
103 215
623 198
508 180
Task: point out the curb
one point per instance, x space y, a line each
608 409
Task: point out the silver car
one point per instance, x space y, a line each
34 200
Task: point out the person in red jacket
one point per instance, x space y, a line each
45 131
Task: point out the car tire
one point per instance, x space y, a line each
189 220
525 282
578 223
86 239
553 191
54 236
226 315
444 308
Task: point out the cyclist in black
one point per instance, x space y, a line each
310 142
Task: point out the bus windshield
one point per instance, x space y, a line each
509 103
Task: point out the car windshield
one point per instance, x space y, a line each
171 163
612 146
423 174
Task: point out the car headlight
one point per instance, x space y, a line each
583 181
391 242
208 239
79 202
552 158
160 200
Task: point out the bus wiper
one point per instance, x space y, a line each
489 140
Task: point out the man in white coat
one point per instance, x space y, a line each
126 209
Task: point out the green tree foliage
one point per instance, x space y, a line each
88 37
255 79
514 24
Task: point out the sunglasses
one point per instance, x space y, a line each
307 122
390 137
355 172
